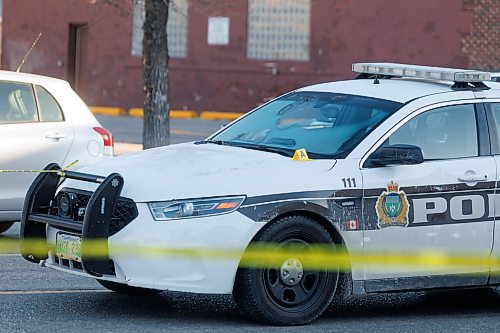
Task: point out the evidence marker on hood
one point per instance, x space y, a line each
301 155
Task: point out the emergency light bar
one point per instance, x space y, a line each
422 72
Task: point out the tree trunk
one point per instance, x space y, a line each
156 129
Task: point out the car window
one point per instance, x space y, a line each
17 103
496 112
443 133
327 125
49 108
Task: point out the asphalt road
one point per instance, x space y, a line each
36 299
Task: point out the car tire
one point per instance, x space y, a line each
127 290
263 295
4 226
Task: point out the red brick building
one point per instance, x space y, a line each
232 55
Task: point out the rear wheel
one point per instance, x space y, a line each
127 290
288 294
4 226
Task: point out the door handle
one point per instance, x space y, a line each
473 179
55 136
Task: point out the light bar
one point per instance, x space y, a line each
422 72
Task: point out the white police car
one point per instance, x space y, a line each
404 158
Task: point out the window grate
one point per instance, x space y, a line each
278 29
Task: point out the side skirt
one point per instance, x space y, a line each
421 283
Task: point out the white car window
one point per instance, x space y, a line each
443 133
49 109
17 103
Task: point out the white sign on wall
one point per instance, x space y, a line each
218 31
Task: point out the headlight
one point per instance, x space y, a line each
179 209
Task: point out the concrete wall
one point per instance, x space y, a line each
221 78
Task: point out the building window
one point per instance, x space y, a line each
278 29
176 28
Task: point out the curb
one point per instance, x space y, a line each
214 115
108 111
174 114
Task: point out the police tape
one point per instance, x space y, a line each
316 257
60 172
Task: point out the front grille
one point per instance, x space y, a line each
76 265
68 263
124 212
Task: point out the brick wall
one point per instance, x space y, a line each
482 44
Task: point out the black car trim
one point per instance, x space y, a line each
357 212
302 195
356 193
483 134
416 283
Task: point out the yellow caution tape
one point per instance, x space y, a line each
60 172
261 255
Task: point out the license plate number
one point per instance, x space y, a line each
69 247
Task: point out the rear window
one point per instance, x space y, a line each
49 109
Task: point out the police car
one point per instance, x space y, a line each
404 158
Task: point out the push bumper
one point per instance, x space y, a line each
40 205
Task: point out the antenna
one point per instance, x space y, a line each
28 53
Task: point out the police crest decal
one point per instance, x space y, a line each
392 207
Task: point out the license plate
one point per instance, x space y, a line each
69 247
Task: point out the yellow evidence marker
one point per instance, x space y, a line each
301 155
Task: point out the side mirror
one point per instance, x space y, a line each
396 155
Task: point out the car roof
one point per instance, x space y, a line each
30 78
400 90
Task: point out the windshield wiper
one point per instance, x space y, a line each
216 142
288 152
282 151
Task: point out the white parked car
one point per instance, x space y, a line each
495 77
42 120
401 160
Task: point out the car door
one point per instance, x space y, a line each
33 133
441 206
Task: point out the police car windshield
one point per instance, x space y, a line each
327 125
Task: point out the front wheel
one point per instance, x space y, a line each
288 294
127 290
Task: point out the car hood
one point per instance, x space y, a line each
204 170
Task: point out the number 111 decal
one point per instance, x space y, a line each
349 182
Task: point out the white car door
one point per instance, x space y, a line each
33 133
443 205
